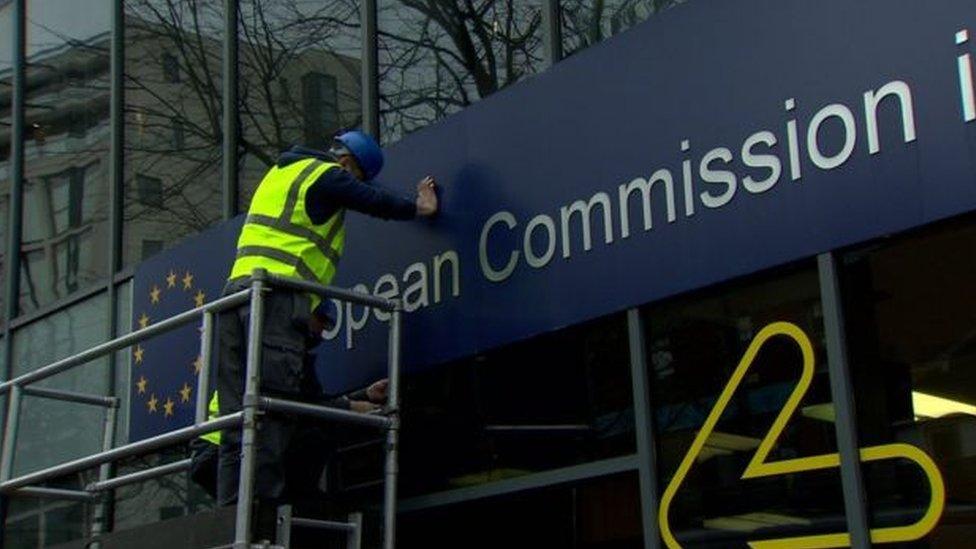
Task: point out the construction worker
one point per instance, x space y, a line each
294 228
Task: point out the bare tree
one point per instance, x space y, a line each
438 56
174 97
588 22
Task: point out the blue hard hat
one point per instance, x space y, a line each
364 148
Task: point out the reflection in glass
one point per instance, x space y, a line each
588 22
556 400
911 319
65 218
595 513
172 122
157 499
300 79
694 345
54 431
438 57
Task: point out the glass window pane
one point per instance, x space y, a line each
695 345
911 322
300 79
588 22
157 499
555 400
54 431
65 218
592 514
435 57
172 122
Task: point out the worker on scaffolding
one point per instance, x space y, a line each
295 228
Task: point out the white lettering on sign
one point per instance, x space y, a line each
759 163
418 283
756 164
966 79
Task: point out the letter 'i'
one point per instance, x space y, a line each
966 79
793 141
686 172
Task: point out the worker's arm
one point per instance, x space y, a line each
346 403
337 188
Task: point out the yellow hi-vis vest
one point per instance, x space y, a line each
279 236
213 410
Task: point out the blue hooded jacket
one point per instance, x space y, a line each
337 188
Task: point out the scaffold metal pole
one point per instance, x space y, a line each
101 514
393 431
203 377
250 406
10 433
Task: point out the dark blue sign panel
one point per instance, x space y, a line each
715 140
761 132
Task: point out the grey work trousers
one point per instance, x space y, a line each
287 372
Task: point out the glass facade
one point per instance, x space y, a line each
300 79
65 217
911 319
502 430
694 347
438 57
589 22
599 513
173 130
550 467
59 431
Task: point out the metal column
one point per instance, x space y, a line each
841 391
116 193
552 35
252 384
644 428
230 122
15 210
370 76
116 196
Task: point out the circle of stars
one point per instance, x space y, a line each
153 403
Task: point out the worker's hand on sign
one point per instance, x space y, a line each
377 391
426 197
362 407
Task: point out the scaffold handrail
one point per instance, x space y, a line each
141 476
72 396
325 412
342 294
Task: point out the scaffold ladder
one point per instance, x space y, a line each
247 419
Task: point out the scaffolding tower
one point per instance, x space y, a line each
246 419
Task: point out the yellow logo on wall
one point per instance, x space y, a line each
759 467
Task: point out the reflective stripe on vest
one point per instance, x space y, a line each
278 234
213 410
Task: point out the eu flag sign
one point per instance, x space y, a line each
165 368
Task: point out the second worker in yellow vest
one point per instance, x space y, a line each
295 228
